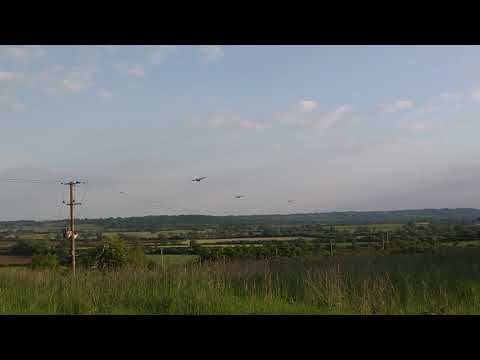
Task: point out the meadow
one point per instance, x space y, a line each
443 283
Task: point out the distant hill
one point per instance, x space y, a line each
328 218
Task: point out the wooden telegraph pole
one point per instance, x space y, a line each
71 234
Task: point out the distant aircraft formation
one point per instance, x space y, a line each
199 179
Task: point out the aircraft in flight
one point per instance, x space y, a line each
239 197
198 179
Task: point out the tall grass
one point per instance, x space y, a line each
446 283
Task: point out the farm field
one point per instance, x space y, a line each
6 260
305 269
446 283
169 260
383 227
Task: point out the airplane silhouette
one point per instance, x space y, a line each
199 179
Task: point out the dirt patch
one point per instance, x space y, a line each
14 260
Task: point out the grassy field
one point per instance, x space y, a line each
382 227
444 283
169 260
279 238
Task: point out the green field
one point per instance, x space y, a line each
169 260
446 283
382 227
259 239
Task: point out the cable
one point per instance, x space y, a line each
29 181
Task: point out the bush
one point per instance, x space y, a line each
137 257
48 261
111 254
31 247
62 250
115 254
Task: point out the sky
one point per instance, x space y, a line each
334 128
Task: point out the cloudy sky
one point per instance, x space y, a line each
332 127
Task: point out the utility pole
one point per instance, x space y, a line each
71 234
163 264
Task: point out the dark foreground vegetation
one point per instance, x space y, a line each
163 222
412 267
447 282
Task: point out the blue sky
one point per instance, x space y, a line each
332 127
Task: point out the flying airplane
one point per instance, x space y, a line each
121 192
199 179
290 201
239 196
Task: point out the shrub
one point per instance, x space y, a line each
31 247
137 257
48 261
111 254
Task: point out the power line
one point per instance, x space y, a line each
29 181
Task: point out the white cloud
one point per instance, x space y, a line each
105 94
246 124
14 52
421 126
10 76
111 49
79 79
229 120
161 52
329 119
8 104
451 96
21 53
57 79
476 94
396 106
130 70
211 52
443 102
296 117
307 105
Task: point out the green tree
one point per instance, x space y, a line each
111 254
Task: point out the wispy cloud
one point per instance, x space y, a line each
330 118
307 105
247 124
211 53
229 120
161 52
104 94
79 79
397 106
475 94
21 53
56 79
443 102
8 103
10 76
130 69
302 114
421 126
